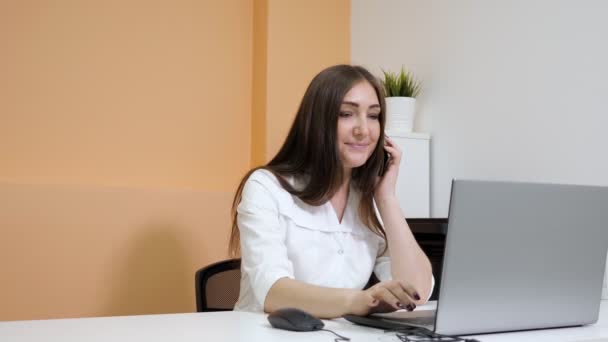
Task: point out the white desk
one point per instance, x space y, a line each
243 326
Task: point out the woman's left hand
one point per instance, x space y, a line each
386 184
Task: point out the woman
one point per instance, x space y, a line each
309 230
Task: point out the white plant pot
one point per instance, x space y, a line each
400 113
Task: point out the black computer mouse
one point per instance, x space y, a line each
295 320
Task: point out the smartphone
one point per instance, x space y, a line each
386 158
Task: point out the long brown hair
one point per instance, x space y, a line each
310 148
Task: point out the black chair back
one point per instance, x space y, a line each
217 286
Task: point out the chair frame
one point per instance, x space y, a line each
202 276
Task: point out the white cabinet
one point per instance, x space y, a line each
413 184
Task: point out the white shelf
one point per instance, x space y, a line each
409 135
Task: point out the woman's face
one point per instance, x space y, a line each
358 125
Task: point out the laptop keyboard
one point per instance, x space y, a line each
418 321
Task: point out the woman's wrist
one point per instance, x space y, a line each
350 298
359 302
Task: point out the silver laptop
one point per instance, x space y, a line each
517 256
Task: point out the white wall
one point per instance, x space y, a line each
513 89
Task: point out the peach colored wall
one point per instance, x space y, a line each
259 86
74 251
125 127
138 93
303 38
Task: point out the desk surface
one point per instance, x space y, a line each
244 326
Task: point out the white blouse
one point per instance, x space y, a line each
281 236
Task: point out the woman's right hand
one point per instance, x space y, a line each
385 296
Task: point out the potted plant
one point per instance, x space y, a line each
401 91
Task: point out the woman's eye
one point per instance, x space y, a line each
374 116
345 114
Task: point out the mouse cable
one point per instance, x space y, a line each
339 338
415 334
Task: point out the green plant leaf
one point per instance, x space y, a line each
401 84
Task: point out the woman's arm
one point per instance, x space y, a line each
409 264
323 302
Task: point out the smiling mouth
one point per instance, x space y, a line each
357 146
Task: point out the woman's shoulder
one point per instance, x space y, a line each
264 177
268 180
263 188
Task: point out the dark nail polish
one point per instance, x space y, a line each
400 305
416 296
409 307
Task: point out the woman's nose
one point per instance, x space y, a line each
361 128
